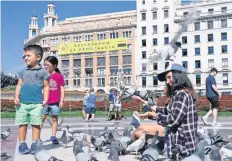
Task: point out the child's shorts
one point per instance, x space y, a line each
117 108
52 109
28 113
90 110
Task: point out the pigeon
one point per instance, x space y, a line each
4 156
98 142
82 156
76 145
43 155
215 154
113 154
138 144
151 153
72 131
5 134
59 124
226 151
66 139
199 154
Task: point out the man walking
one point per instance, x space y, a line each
213 96
111 101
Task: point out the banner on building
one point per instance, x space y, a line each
93 46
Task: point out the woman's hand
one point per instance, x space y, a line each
61 104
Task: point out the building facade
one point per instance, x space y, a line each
83 70
205 42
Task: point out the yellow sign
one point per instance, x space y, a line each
93 46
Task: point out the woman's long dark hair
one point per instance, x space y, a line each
54 61
181 81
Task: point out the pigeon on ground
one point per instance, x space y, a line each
151 153
5 134
137 145
59 128
43 155
98 142
4 156
113 154
80 154
72 131
66 139
199 154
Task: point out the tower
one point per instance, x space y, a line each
33 27
50 19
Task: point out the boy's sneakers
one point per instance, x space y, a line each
23 148
204 120
33 147
54 140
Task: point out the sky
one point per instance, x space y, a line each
16 16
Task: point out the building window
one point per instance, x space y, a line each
65 39
224 36
223 9
144 81
54 41
224 49
198 79
144 43
101 36
210 37
76 82
89 37
184 40
154 15
143 2
166 14
101 82
127 81
88 82
101 61
197 64
197 51
166 40
155 29
114 35
144 30
114 70
89 62
127 34
144 67
143 16
76 62
185 14
184 52
127 69
197 26
197 38
66 82
155 66
114 60
210 24
211 63
223 23
101 71
126 59
225 62
155 81
155 41
166 28
225 78
89 71
65 63
210 11
210 50
144 55
185 64
77 39
113 81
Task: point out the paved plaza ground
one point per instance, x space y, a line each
11 146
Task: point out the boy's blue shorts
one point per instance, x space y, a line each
90 110
52 109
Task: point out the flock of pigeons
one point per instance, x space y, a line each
118 142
